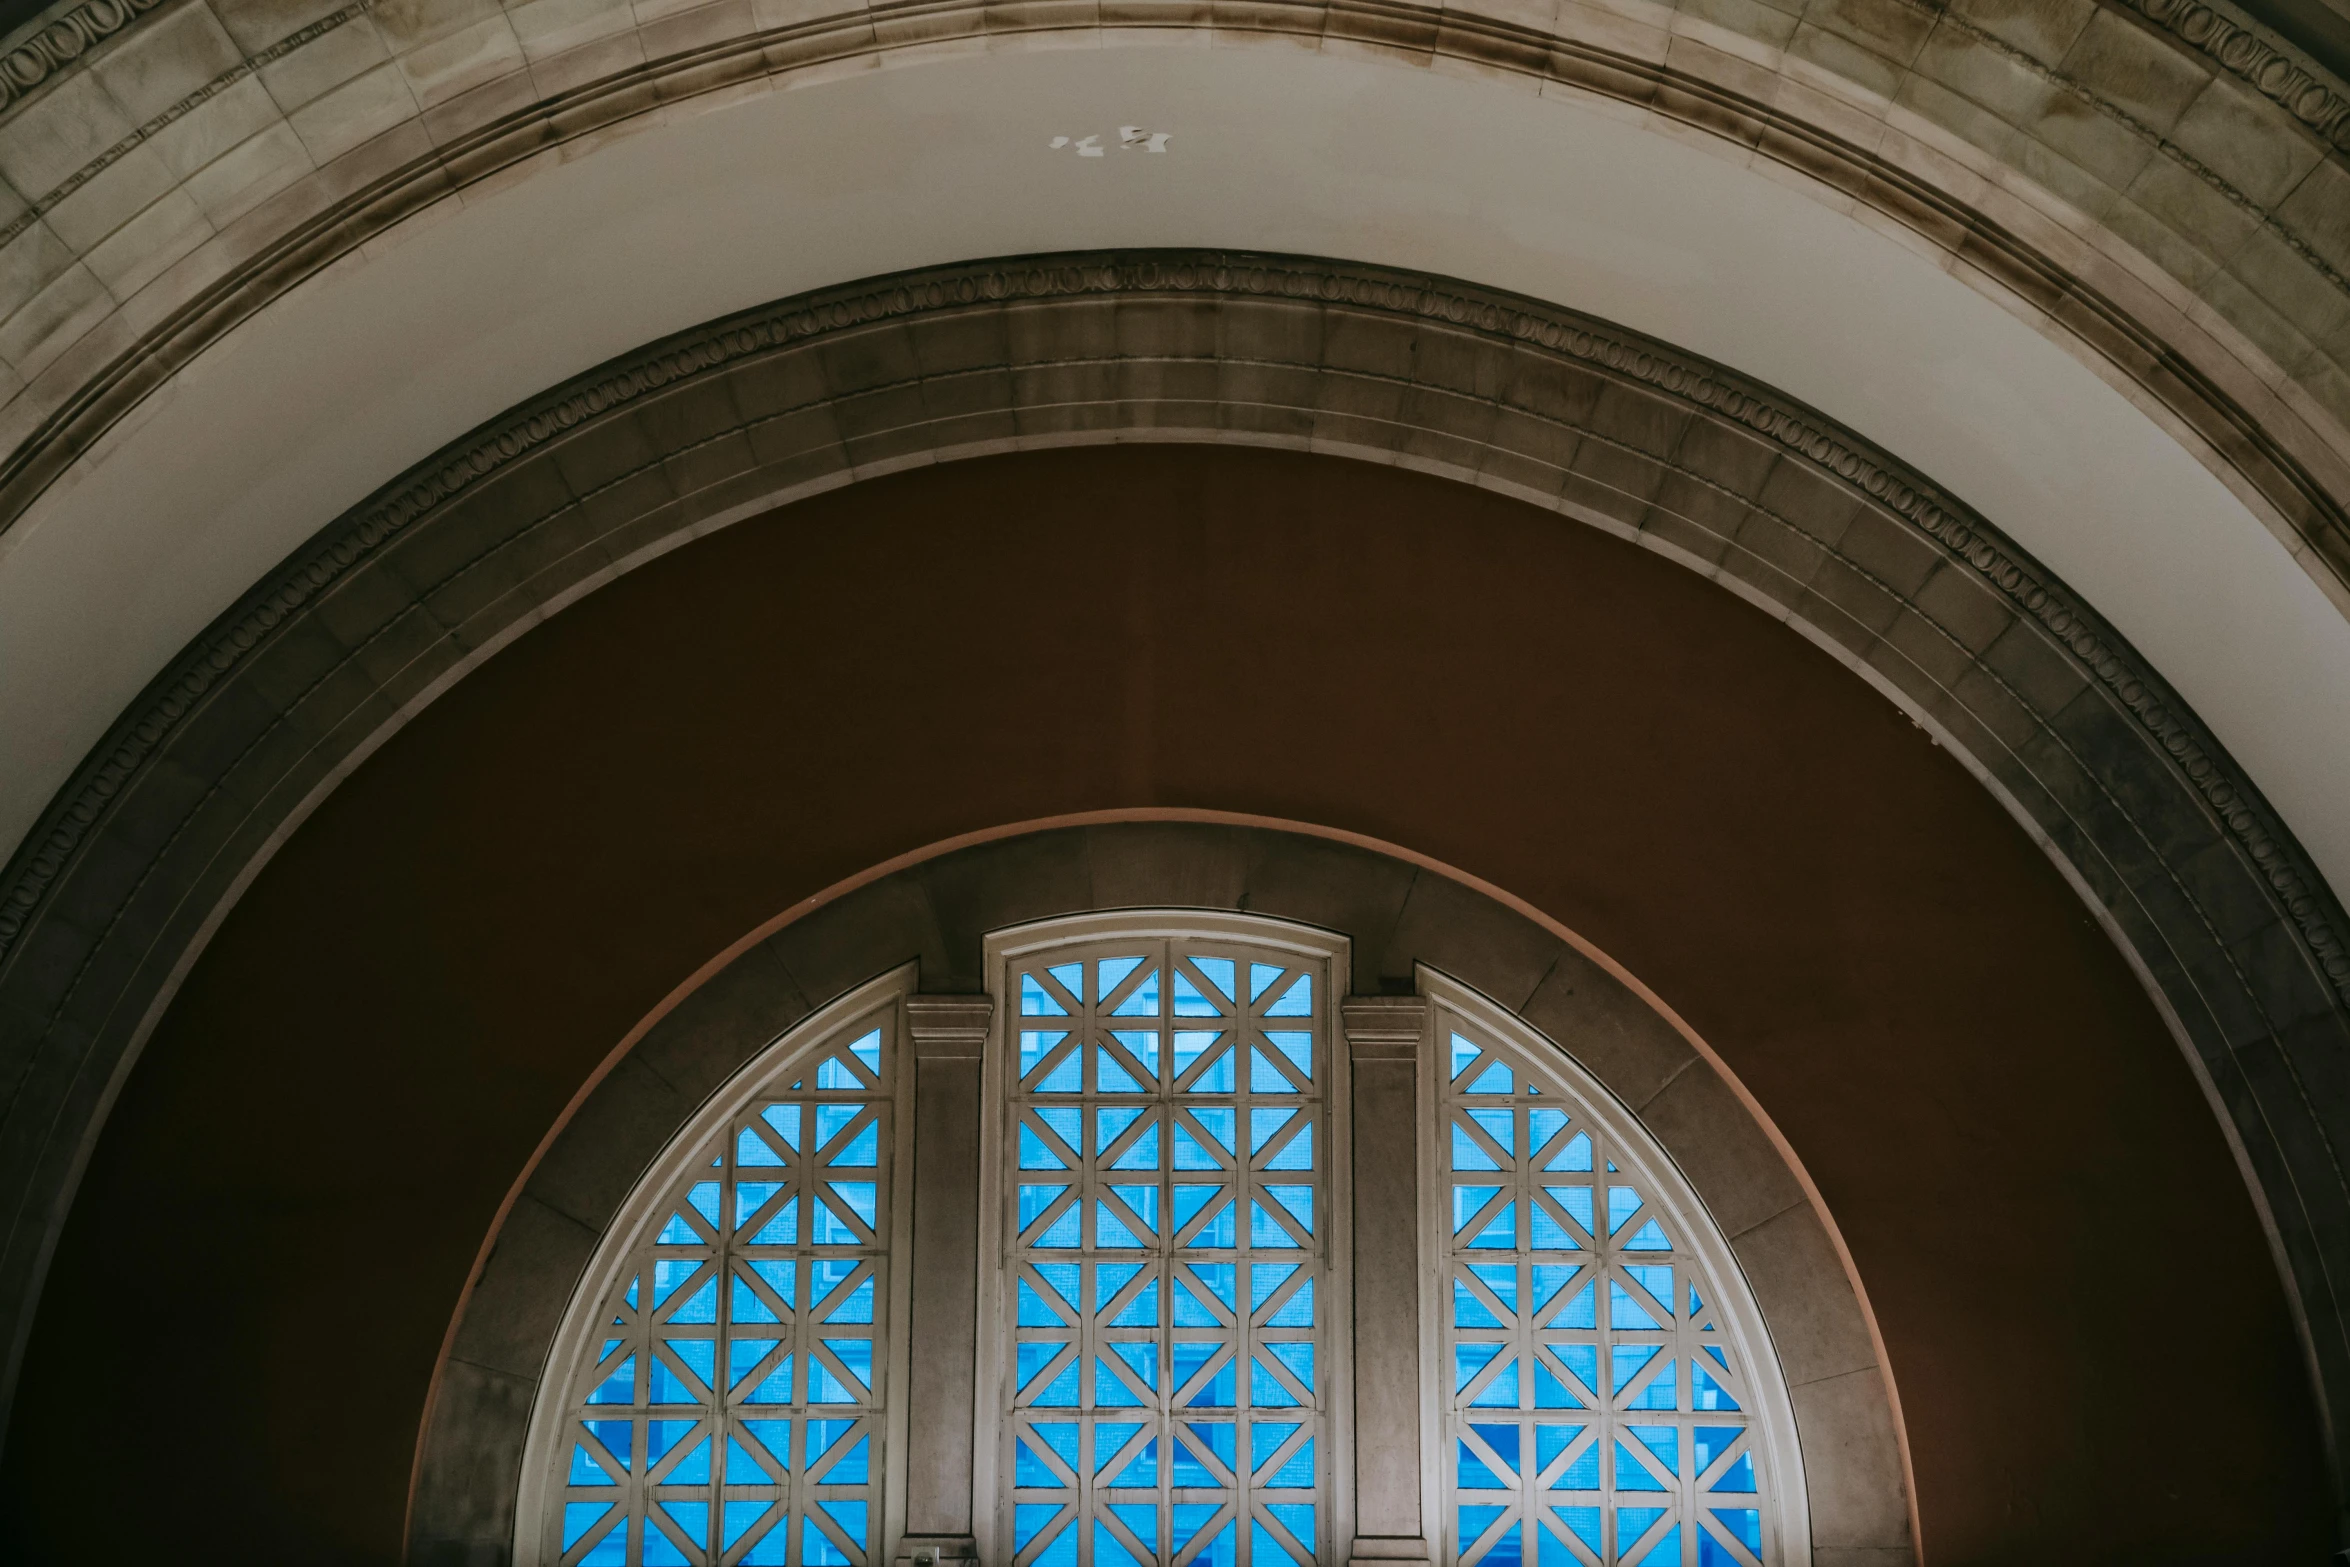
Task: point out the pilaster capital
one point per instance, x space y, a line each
949 1027
1385 1028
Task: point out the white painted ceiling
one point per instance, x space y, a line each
476 305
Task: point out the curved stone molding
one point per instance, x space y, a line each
2197 879
938 911
61 39
2161 186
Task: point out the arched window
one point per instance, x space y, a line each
729 1394
1595 1337
1166 1313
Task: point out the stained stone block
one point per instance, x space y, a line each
2042 29
2120 61
2247 140
324 63
1817 1329
1856 1510
341 120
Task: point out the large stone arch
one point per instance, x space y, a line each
2206 892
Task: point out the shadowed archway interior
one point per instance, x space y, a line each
299 1171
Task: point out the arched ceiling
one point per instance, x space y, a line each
2081 266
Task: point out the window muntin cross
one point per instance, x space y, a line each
733 1412
1167 1245
1596 1412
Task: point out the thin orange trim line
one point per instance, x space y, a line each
944 846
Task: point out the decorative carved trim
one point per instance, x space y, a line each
1959 533
2300 87
62 39
36 210
949 1027
1385 1028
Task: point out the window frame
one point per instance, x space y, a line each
1784 1501
992 1399
538 1501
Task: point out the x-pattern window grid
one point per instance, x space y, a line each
734 1413
1597 1413
1169 1257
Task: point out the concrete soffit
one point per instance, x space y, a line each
2161 183
1846 1492
2169 845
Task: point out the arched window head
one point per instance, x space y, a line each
727 1386
1167 1328
1598 1347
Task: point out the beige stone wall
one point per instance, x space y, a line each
2167 166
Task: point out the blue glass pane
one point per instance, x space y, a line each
1297 1311
670 1275
1296 1471
1036 1001
1468 1202
1549 1234
854 1198
862 1151
1189 1518
1070 977
744 1355
1649 1238
1663 1444
1110 1075
1264 1077
1111 1232
1296 1001
1216 1439
1501 1392
1297 1518
1463 1053
1031 1519
1581 1522
1143 1045
1220 1551
1472 1473
1576 1200
1666 1552
1263 1122
833 1072
1141 1359
579 1518
1495 1079
1296 1357
1468 1360
1142 1153
851 1518
1549 1442
775 1387
1265 1231
1623 1311
1744 1524
1475 1521
1143 1001
1109 974
1549 1391
1633 1522
1622 1203
1712 1442
1109 1440
784 1228
817 1548
1141 1520
1468 1311
1466 1155
1222 1124
1220 1390
753 1150
736 1518
1706 1393
1260 975
1190 1000
692 1520
785 1120
856 1357
854 1467
1221 1229
700 1356
619 1387
1213 1078
856 1306
1738 1477
1265 1549
1208 1281
1629 1360
1035 1312
742 1468
1500 1125
1109 1278
1297 1048
1110 1551
1142 1203
1029 1469
1266 1277
1549 1279
1142 1311
775 1437
1219 974
585 1470
867 1049
750 1197
1501 1233
700 1306
1543 1124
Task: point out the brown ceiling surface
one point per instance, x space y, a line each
2092 1347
